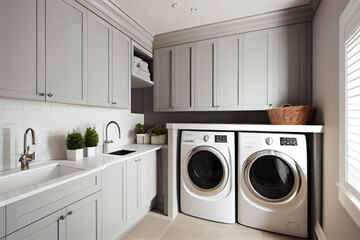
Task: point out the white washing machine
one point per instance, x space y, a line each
207 175
272 183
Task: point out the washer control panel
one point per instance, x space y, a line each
288 141
220 138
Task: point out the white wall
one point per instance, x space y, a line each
337 224
52 122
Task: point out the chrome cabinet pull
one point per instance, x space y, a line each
49 94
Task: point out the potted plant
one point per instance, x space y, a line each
158 134
91 139
74 146
142 137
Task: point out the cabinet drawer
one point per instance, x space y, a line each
31 209
2 222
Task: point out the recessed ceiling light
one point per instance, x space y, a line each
175 5
193 9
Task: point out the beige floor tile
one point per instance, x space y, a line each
232 232
127 237
190 226
151 227
172 234
273 236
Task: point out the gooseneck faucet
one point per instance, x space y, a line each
26 157
106 132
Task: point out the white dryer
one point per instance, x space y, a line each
272 183
207 175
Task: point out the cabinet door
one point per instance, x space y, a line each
257 75
66 48
205 73
132 188
22 51
2 222
144 176
290 65
120 70
183 78
163 79
152 175
99 45
83 220
228 88
49 228
114 198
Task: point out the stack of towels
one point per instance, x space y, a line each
141 68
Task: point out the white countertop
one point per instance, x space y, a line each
247 127
88 164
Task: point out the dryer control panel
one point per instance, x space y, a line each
288 141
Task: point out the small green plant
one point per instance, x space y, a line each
142 128
91 137
74 141
157 130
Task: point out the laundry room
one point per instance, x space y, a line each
189 120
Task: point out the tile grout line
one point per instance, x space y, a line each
167 228
207 233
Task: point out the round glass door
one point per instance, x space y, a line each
206 171
272 176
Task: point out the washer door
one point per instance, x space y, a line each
272 176
205 171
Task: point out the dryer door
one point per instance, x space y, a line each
205 171
272 176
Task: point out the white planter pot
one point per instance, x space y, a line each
158 140
142 138
89 151
75 154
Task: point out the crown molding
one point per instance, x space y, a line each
110 12
315 4
241 25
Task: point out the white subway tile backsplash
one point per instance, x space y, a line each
52 122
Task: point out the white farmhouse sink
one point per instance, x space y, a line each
12 180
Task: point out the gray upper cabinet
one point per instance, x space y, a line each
22 57
121 70
291 74
66 48
205 75
99 47
257 70
228 88
163 79
184 78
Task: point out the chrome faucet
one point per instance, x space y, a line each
106 132
26 157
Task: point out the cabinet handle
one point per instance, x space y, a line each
41 94
270 105
140 160
63 217
49 94
113 103
70 213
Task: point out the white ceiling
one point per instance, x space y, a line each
158 16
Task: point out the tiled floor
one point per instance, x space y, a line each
156 226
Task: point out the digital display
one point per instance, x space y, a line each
288 141
221 138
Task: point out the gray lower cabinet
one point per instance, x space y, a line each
164 79
99 49
80 220
121 70
292 61
205 75
133 181
66 48
2 222
22 59
48 227
114 198
257 70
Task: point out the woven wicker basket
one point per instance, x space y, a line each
291 115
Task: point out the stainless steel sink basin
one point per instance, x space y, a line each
12 180
122 152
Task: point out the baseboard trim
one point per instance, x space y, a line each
320 235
